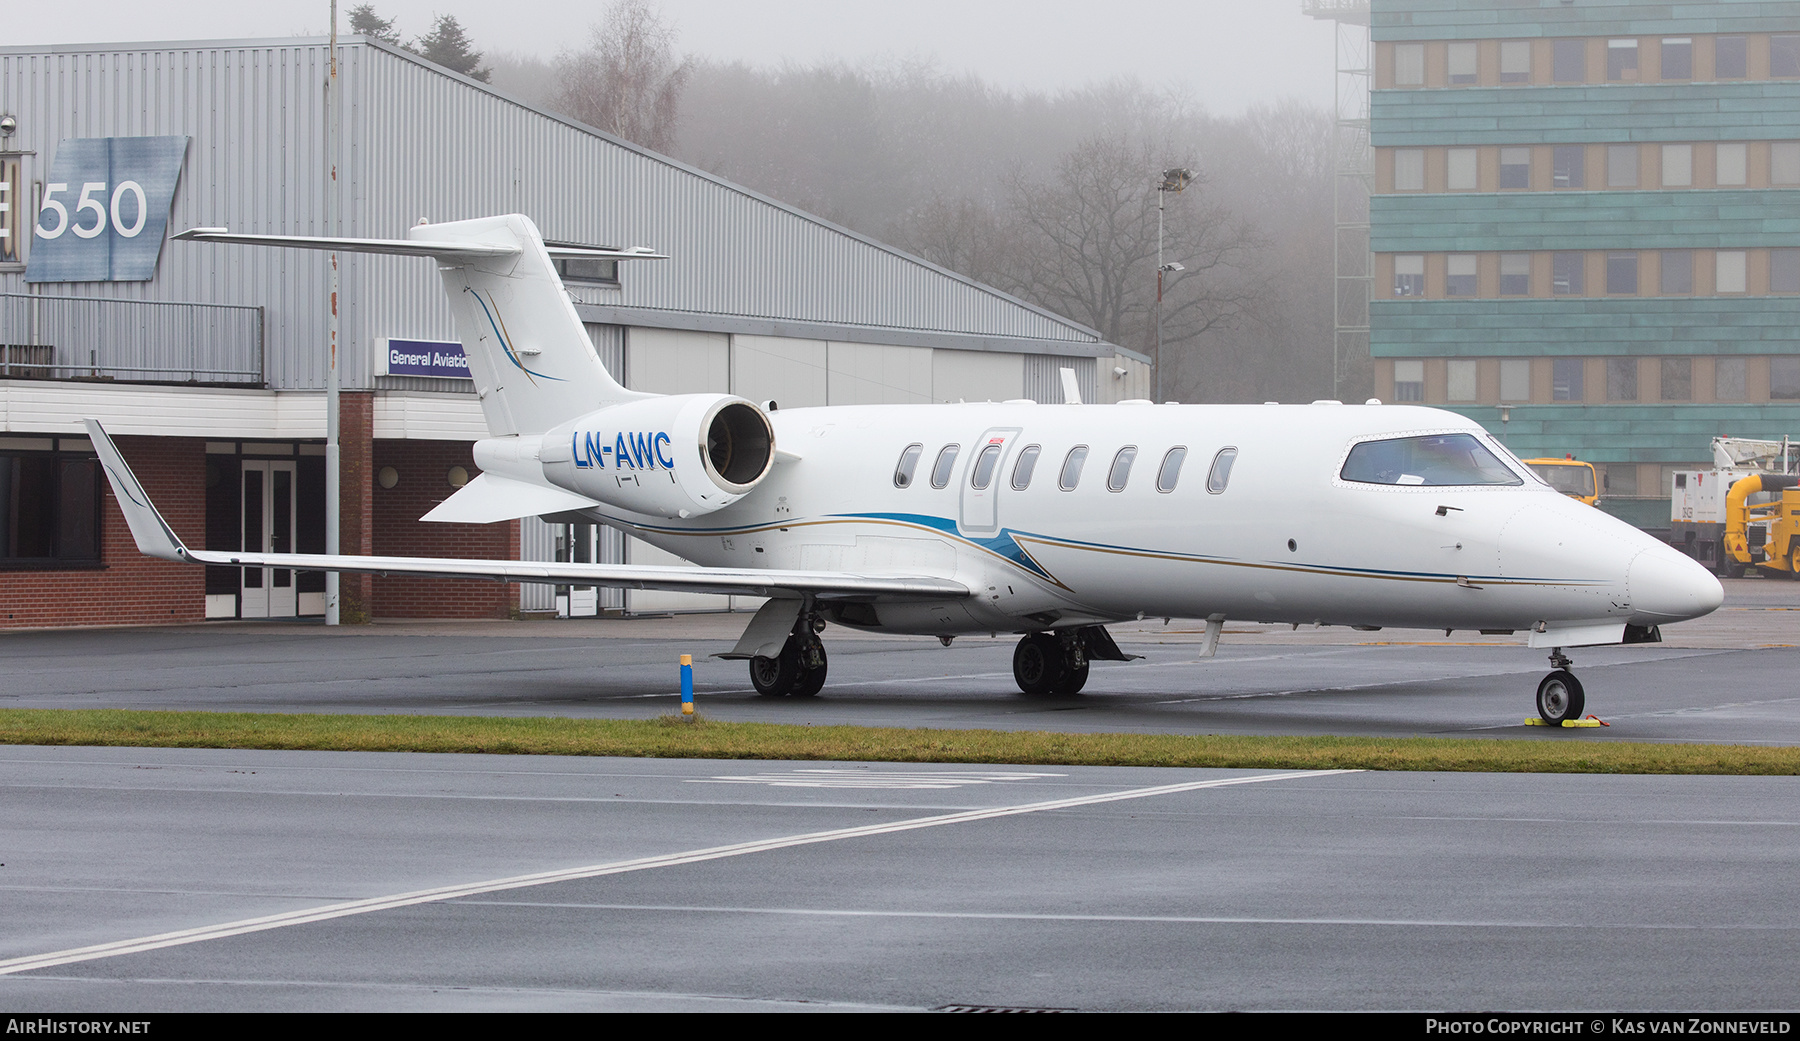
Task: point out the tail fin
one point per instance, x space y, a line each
533 364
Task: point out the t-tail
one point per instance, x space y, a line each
530 357
564 435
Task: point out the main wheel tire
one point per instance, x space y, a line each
1560 697
1072 680
776 677
1037 664
812 676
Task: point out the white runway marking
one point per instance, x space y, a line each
838 777
443 893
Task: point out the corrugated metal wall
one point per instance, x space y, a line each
420 142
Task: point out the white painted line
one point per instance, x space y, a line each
443 893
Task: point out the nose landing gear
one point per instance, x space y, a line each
1559 695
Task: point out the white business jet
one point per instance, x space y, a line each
1045 520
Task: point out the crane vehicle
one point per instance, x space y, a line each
1049 521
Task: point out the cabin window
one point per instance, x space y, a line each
1021 478
1435 461
1071 470
983 474
909 461
1171 469
946 461
1121 469
1220 474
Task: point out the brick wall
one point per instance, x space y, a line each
423 467
129 588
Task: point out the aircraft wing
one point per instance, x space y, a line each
156 539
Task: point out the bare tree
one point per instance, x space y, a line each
1090 247
628 81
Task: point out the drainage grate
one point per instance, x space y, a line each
997 1008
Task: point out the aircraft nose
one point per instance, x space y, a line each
1667 586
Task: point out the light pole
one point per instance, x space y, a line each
1173 180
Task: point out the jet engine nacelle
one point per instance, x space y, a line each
671 456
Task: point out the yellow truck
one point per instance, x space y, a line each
1570 476
1742 513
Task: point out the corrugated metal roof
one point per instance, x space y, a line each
421 141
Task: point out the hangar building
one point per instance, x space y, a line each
210 362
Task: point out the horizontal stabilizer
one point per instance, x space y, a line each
491 497
443 250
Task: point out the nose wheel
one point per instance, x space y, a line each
1559 695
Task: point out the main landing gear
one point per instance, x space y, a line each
1559 695
1056 663
799 670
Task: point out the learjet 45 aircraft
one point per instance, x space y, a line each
1049 521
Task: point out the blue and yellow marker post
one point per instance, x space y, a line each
687 684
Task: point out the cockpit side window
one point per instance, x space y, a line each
1433 461
909 461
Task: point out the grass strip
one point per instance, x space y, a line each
672 737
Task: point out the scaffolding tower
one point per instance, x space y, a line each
1353 265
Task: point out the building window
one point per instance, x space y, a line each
1409 170
1459 170
1621 60
1784 271
1784 163
1732 164
1677 272
1462 372
1677 166
1409 65
1729 379
1621 479
1462 63
1731 271
1621 166
1731 57
1459 275
1515 274
1409 381
1515 61
1515 379
1621 379
1409 275
1566 379
1678 379
1566 274
49 503
1566 166
1621 273
1568 61
585 270
1784 379
1515 168
1678 58
1784 55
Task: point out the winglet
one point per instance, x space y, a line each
154 536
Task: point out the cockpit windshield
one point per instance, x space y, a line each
1433 461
